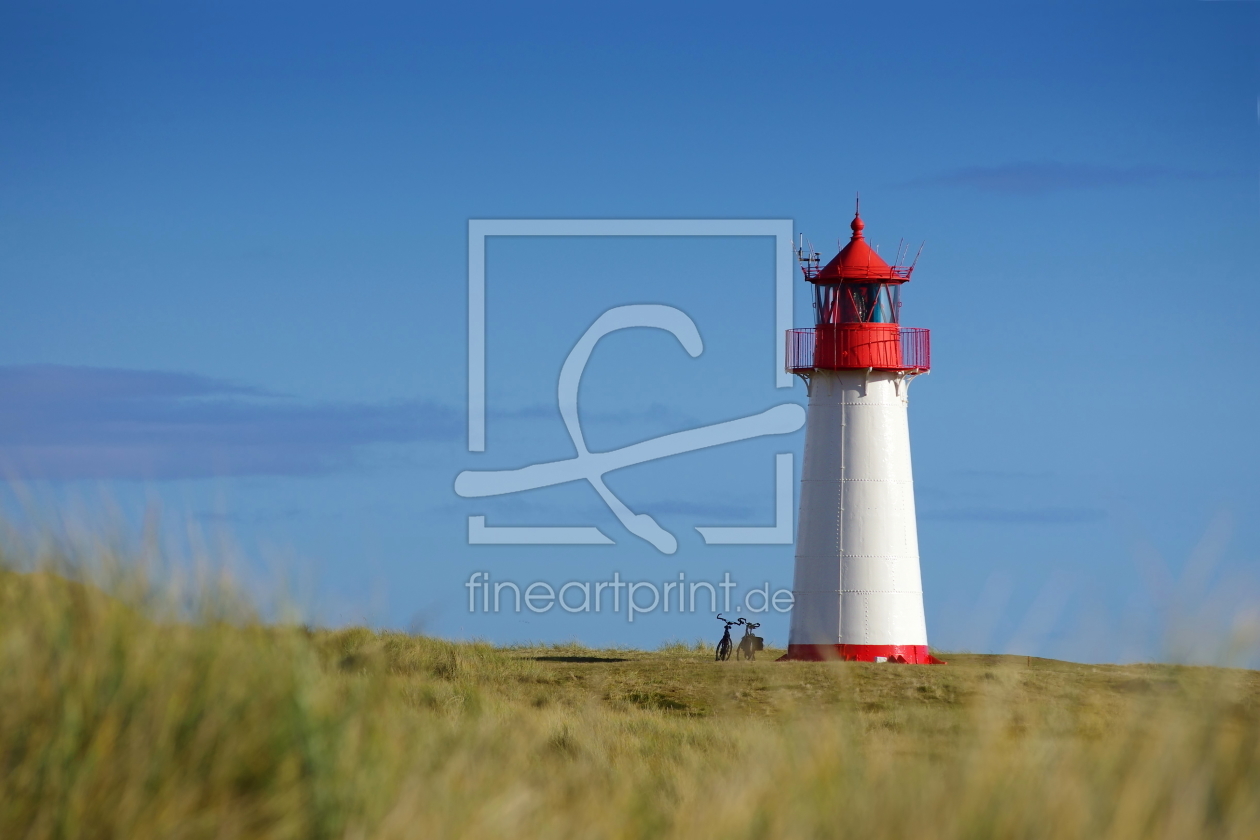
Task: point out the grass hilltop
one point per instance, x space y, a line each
124 717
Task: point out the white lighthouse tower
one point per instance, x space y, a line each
859 595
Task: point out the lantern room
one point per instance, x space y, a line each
857 286
857 313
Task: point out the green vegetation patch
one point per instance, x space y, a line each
124 717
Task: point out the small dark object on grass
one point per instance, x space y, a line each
750 644
723 652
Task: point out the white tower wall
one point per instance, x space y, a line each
857 578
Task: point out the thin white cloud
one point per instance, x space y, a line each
61 422
1038 177
1016 516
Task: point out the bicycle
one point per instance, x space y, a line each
723 652
750 644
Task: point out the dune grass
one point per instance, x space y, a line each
122 717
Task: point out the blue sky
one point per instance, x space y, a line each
233 245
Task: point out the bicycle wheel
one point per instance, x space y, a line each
724 650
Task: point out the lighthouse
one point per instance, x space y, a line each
857 588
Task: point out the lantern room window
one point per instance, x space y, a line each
857 303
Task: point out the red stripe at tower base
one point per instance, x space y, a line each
905 654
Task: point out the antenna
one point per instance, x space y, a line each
807 257
916 256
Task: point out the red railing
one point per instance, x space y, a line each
916 348
915 351
894 273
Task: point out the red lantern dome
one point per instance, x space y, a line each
858 261
857 313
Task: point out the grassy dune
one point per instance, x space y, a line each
122 717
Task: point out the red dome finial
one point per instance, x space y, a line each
857 224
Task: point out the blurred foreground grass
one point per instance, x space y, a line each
124 717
